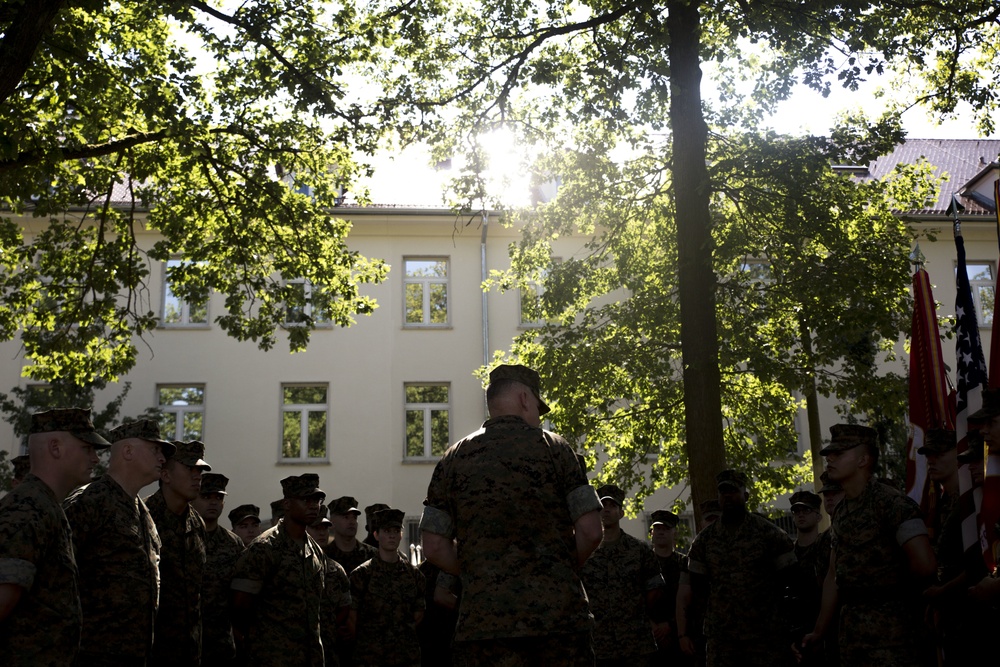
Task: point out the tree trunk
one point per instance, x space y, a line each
696 278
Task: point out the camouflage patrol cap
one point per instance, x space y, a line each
75 421
806 499
991 406
302 486
213 482
613 493
975 449
710 507
387 518
525 376
244 512
345 505
144 429
849 436
665 517
937 441
191 453
829 486
733 478
278 508
323 517
371 509
22 464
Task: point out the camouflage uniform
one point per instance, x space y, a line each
36 553
386 596
880 607
743 620
518 567
336 596
288 581
117 552
223 549
349 560
665 606
617 577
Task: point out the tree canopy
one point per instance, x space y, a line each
230 130
613 75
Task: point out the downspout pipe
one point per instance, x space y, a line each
486 310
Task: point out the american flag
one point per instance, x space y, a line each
971 381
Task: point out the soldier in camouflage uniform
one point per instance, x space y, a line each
741 564
663 532
345 548
278 586
347 551
387 600
118 550
880 562
623 582
177 635
223 549
509 509
369 511
320 529
39 599
690 611
812 551
245 520
21 465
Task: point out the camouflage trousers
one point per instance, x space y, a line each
761 652
568 650
882 634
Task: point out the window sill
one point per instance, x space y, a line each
161 325
303 462
426 327
422 460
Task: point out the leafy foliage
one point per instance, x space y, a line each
114 121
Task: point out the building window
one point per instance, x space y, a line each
983 285
427 427
176 311
531 299
426 292
303 422
302 303
182 412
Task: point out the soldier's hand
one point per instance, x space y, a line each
661 631
687 645
807 644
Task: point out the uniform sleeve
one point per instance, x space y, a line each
909 520
783 548
81 520
696 556
21 543
651 576
437 517
359 585
581 497
251 569
338 587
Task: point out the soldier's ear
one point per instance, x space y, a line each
54 446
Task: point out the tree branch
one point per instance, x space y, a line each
21 37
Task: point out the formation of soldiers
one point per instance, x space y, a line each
526 561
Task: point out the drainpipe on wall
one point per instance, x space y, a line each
486 311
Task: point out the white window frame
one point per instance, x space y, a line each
185 316
304 409
307 309
180 410
425 282
977 286
427 409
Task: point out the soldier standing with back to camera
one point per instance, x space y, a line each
222 550
510 511
40 614
118 550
